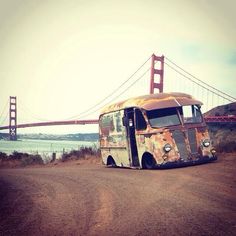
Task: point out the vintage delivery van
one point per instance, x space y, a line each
155 131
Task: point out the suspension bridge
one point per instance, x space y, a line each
187 83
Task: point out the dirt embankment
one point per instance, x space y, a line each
90 199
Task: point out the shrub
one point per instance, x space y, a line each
17 155
3 156
22 158
81 153
226 147
32 160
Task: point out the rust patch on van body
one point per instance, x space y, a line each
185 140
154 141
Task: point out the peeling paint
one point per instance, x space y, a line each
184 139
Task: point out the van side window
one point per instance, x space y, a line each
140 122
107 124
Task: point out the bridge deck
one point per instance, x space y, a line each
51 123
208 119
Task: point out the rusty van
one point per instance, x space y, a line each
155 131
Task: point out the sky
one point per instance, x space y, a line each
62 57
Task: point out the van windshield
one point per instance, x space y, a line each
163 117
191 114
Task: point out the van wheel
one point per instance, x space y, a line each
148 162
111 162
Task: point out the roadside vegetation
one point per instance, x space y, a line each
226 147
19 159
82 153
223 136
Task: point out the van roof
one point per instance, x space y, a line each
154 101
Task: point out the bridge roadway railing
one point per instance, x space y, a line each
220 119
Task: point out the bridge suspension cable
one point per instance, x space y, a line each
199 82
29 112
89 110
113 99
3 112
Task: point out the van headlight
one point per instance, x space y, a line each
206 142
167 147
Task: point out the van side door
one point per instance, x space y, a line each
130 128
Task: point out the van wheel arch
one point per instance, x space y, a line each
148 161
111 161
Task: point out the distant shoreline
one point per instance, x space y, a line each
87 137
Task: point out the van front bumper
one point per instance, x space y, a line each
189 162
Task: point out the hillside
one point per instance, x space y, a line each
223 135
224 110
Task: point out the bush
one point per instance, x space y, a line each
22 158
81 153
3 156
226 147
32 160
17 155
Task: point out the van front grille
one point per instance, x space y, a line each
180 142
192 140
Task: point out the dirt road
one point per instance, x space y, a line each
95 200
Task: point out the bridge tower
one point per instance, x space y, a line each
12 119
154 71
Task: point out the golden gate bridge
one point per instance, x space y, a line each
207 91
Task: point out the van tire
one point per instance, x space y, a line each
148 162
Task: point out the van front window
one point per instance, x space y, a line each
191 114
163 117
